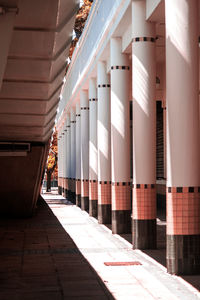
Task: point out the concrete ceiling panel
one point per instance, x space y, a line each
35 68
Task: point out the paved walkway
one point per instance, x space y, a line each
61 253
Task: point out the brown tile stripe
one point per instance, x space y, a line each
104 192
121 196
93 190
84 188
183 210
144 202
78 186
120 68
144 39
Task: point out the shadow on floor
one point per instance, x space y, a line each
39 260
159 254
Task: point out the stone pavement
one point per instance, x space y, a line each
61 253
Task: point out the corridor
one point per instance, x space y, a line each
62 253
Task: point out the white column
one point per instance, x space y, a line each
59 164
104 151
84 102
68 152
120 138
183 170
64 160
78 155
144 128
93 157
73 154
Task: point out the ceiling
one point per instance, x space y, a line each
33 63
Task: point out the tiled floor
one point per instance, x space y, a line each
60 254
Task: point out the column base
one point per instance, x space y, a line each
121 221
73 197
144 234
69 196
183 254
104 213
85 203
78 200
93 208
66 193
63 192
59 190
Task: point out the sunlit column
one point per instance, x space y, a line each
62 164
84 101
64 159
63 167
93 158
104 151
144 128
78 155
183 170
59 164
73 155
120 138
68 158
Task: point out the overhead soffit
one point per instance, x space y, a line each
35 68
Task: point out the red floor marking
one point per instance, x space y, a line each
124 263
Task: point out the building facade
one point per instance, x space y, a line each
128 123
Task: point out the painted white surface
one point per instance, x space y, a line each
93 156
84 102
73 144
126 38
68 147
62 156
139 25
64 137
78 142
103 125
120 125
144 106
151 6
182 87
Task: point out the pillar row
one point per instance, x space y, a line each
78 155
144 129
68 157
64 159
73 155
93 158
59 165
120 138
104 151
84 101
183 172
